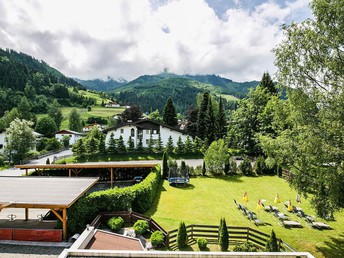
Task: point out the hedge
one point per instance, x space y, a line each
139 198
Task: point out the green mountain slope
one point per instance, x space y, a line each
101 85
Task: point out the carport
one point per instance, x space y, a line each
54 193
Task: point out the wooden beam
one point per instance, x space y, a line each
4 205
111 176
64 224
70 172
57 215
26 214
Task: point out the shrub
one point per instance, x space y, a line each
140 226
233 168
246 167
245 247
115 223
259 166
157 238
223 233
271 244
182 236
204 169
202 243
164 165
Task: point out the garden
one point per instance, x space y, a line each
205 200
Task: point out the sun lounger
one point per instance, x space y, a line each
289 223
270 208
281 216
319 225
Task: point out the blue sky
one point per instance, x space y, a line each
124 39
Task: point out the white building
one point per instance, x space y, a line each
73 136
88 128
112 105
146 128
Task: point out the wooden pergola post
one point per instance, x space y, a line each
63 220
111 176
26 214
70 172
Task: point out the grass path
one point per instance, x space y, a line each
206 200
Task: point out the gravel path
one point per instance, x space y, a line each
24 251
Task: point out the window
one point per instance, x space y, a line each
122 130
132 132
148 131
1 146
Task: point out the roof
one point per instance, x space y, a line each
139 124
42 192
68 132
89 165
103 240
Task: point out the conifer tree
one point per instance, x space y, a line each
180 146
165 165
112 148
221 122
170 114
202 117
182 236
159 144
210 122
267 84
140 144
169 145
120 145
92 146
131 144
102 148
223 233
188 146
271 244
150 144
75 121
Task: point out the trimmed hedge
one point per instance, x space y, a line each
202 243
157 238
115 223
139 197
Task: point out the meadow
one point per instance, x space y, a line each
205 200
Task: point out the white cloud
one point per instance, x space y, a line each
94 39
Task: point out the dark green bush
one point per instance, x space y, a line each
139 197
271 244
223 233
245 247
246 167
115 223
140 227
182 236
260 167
202 243
157 238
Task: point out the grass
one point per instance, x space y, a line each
229 97
207 199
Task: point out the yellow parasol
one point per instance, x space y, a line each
277 199
290 207
245 197
259 205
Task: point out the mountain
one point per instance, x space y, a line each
152 91
101 85
23 75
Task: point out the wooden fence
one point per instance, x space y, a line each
236 235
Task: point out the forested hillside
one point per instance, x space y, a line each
102 85
22 75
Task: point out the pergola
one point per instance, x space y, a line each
76 168
54 193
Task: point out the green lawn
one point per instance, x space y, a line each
206 200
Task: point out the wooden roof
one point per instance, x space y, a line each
88 165
42 192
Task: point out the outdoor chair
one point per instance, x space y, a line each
252 216
289 223
318 225
281 215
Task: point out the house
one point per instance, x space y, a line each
88 128
146 128
112 105
73 136
3 140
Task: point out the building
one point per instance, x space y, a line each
73 136
147 129
3 140
112 105
88 128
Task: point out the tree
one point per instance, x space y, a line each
120 145
159 144
246 167
24 109
133 114
169 145
19 139
155 115
180 146
201 119
271 244
112 147
165 165
150 144
310 60
216 157
46 126
188 146
182 236
221 123
78 148
55 113
191 118
140 144
131 144
169 116
210 122
75 121
223 235
92 145
102 146
267 84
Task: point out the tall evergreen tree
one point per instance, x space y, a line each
165 165
169 145
223 233
182 236
75 121
55 113
267 84
221 122
139 146
180 146
120 145
170 114
271 244
112 147
130 144
210 122
159 144
102 148
202 117
191 117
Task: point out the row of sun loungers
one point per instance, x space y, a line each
249 214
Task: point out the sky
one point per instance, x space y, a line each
90 39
